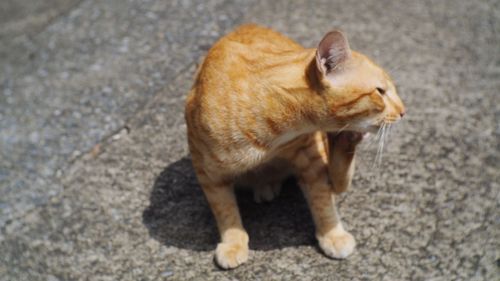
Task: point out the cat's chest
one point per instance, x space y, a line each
251 157
288 149
293 145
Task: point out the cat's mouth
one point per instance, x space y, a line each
366 128
376 128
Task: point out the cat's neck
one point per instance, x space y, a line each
290 84
290 71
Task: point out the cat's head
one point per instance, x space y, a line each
358 93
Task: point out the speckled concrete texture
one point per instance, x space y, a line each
67 88
96 181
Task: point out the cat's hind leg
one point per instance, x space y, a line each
266 192
266 180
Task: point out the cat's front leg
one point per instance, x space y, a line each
313 180
233 248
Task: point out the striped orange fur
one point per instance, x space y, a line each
261 105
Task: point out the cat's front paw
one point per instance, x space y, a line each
337 243
231 255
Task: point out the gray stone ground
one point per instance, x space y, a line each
95 177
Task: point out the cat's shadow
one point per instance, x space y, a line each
178 214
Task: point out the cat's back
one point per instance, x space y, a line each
247 46
261 39
231 66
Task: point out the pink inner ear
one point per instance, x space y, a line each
333 50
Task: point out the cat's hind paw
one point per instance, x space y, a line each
231 255
337 243
266 193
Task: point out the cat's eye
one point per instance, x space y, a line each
381 91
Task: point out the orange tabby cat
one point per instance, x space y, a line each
263 107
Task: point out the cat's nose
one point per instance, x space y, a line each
402 114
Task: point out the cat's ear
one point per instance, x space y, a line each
332 52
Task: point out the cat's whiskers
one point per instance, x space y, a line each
342 129
381 140
376 138
381 145
394 69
